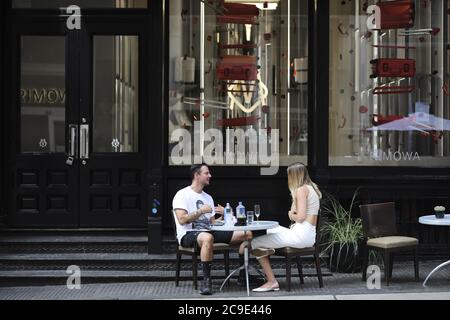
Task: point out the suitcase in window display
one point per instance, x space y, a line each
390 68
397 14
234 68
238 13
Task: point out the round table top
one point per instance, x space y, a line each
433 221
255 226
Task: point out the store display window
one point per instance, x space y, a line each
238 81
389 83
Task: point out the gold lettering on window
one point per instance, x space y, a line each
43 96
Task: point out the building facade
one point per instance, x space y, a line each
105 104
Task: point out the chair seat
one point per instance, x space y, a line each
392 242
293 251
217 247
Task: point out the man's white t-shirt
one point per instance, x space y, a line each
190 201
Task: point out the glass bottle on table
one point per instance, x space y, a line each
240 215
228 215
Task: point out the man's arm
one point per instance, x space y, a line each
185 218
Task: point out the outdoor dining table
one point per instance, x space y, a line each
255 226
433 221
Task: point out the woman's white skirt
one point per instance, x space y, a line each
299 236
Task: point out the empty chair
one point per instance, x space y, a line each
380 232
219 248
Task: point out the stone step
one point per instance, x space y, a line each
76 243
60 277
122 261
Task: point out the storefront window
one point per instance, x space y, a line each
389 83
238 82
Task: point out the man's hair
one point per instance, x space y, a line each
196 168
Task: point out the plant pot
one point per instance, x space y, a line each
345 259
439 214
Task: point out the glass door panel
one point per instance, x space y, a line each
116 94
43 94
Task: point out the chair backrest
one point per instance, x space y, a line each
378 220
318 230
174 225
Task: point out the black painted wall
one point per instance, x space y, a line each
2 94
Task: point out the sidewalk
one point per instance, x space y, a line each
336 287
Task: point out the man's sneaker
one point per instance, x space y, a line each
262 252
206 287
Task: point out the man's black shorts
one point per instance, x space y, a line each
190 238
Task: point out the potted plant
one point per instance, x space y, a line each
341 235
439 212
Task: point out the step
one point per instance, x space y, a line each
112 259
52 277
51 239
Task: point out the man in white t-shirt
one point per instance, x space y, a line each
194 213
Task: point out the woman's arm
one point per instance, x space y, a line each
300 205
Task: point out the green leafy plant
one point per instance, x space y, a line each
341 235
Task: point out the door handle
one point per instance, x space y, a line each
84 142
73 141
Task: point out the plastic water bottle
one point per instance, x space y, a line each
240 215
228 215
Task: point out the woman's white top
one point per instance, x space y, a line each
312 202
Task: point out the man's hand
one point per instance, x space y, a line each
219 210
205 209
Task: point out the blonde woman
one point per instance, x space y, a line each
302 234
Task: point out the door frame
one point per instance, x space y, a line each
109 27
40 26
151 90
2 113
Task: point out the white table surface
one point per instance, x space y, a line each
433 221
255 226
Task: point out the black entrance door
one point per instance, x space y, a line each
78 137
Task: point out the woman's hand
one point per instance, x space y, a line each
292 215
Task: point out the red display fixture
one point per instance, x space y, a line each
238 122
397 14
239 13
232 68
390 68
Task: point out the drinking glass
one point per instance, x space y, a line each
257 211
250 218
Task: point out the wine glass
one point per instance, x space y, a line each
257 211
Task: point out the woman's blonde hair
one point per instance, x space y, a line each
298 176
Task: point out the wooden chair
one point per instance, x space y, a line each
380 232
219 248
290 253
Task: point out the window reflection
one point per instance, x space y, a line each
239 65
389 83
116 93
43 94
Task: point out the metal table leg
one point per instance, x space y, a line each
436 270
